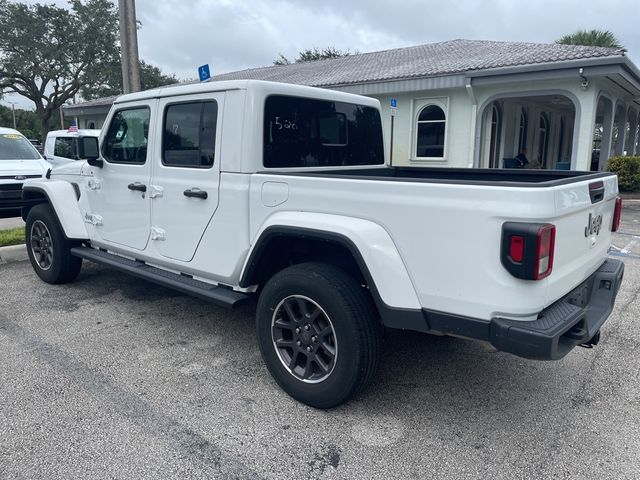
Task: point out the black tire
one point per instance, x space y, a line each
48 248
317 378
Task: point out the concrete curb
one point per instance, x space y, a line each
13 253
630 195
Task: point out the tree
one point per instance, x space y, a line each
27 122
48 53
593 38
312 54
110 83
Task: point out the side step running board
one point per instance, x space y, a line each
218 295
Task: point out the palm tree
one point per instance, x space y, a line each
594 38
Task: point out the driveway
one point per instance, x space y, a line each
8 223
112 377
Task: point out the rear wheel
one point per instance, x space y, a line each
319 333
48 248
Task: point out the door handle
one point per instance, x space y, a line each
137 186
196 193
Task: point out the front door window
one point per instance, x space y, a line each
126 140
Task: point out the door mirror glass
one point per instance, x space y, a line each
88 149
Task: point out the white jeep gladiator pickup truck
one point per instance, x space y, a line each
226 190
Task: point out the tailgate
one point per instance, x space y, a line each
584 215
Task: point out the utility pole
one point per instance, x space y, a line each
129 46
13 112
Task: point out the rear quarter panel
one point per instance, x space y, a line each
448 236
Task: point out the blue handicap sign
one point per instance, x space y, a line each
394 103
203 72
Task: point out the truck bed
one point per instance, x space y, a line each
447 226
459 176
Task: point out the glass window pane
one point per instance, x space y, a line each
431 139
432 112
333 129
126 139
209 121
189 134
63 147
303 132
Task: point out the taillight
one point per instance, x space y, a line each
527 249
516 248
545 243
616 215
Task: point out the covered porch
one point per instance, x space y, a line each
541 126
577 122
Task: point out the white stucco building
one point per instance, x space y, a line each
469 103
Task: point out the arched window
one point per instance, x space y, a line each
91 125
431 129
522 134
561 135
543 139
494 148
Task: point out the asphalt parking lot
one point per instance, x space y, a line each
110 377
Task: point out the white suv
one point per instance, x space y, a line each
19 160
62 147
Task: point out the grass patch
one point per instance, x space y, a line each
14 236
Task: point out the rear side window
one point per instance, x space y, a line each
63 147
190 134
126 139
303 132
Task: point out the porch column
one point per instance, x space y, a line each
633 137
584 125
607 135
622 131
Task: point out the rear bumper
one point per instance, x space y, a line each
573 320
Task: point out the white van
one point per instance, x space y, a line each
61 146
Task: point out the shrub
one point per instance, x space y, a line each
628 170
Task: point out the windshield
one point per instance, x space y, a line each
16 147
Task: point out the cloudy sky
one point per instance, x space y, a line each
231 35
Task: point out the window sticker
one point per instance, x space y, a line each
12 136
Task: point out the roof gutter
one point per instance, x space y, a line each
620 66
549 66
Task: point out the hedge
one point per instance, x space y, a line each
628 170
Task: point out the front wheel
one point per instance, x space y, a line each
319 333
48 249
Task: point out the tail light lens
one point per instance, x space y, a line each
516 248
527 249
545 246
616 215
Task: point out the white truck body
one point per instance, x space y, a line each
428 242
61 146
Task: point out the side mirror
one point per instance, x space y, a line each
88 149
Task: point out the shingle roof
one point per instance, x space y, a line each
434 59
430 60
98 102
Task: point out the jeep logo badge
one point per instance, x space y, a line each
593 225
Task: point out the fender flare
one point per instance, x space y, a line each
369 243
63 198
